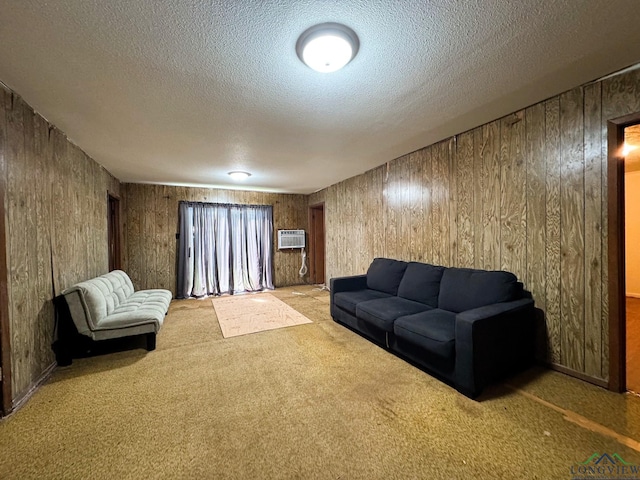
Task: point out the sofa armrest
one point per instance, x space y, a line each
493 341
345 284
348 284
81 313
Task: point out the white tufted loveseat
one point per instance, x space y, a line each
108 307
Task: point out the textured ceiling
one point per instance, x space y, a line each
183 91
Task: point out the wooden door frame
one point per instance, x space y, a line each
6 398
6 394
312 244
616 251
118 234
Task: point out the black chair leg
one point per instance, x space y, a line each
151 341
63 353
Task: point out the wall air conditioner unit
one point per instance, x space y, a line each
290 239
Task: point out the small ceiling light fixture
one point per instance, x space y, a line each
238 175
327 47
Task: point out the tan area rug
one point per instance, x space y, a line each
251 313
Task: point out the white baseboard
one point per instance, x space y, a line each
633 295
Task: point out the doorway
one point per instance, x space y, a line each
623 167
631 153
114 233
316 244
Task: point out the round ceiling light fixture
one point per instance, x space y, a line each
327 47
238 175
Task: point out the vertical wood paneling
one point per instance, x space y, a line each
427 202
440 206
490 153
375 191
526 193
59 152
362 210
465 211
536 201
165 239
56 232
31 240
5 283
404 208
43 284
349 227
31 308
513 195
134 232
341 227
392 214
450 223
148 274
593 230
478 195
416 208
572 230
536 209
152 222
331 216
552 186
17 185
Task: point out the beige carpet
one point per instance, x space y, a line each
251 313
312 402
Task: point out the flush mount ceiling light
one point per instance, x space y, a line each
237 175
327 47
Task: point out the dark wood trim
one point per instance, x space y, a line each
5 339
115 263
313 275
616 249
312 245
579 375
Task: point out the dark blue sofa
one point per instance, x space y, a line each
469 327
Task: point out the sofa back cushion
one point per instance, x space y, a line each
385 274
421 283
92 300
463 289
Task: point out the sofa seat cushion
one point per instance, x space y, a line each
383 312
143 306
421 283
348 300
463 289
131 319
433 331
157 300
385 274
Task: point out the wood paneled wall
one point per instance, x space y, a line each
151 225
526 193
56 224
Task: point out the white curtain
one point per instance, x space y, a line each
224 249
